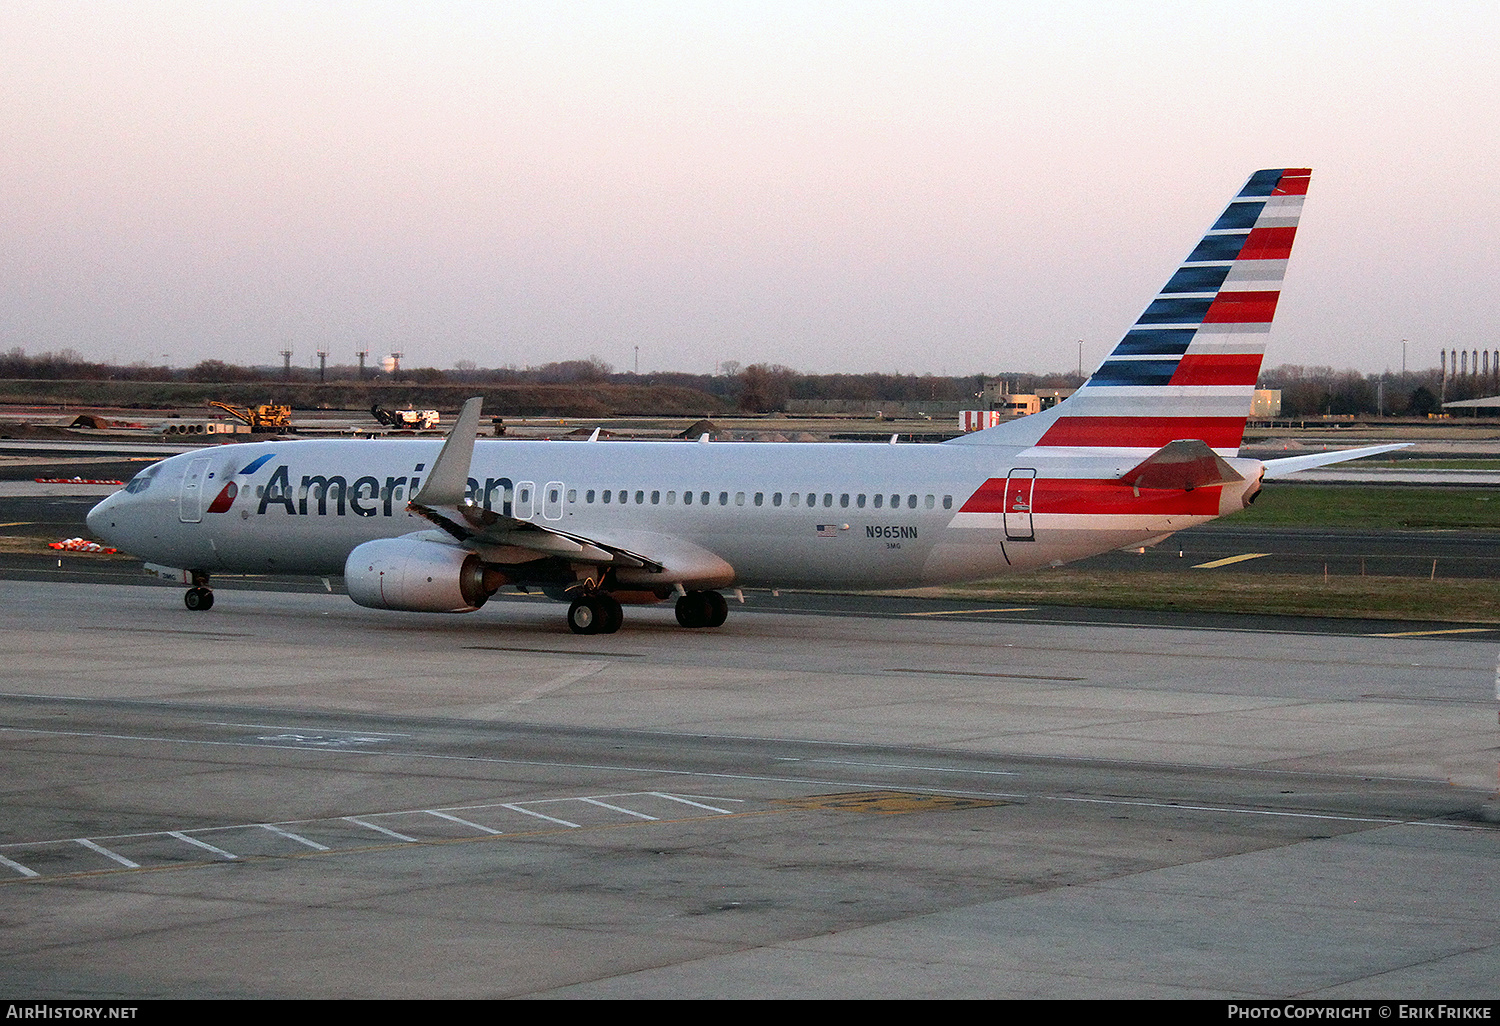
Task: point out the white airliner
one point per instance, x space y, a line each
1147 447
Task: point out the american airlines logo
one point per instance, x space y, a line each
366 496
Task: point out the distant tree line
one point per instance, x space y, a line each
1320 391
765 388
757 388
69 365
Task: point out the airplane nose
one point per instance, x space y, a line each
99 519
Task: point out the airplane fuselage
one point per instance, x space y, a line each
854 515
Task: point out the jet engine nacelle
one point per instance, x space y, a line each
418 576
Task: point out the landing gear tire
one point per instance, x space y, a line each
702 609
583 617
198 599
718 609
611 616
595 614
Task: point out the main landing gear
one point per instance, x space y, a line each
599 613
200 597
702 609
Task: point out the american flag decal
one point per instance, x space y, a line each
828 530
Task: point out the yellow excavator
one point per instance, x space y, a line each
266 417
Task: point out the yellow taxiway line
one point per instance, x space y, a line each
1416 634
961 612
1230 559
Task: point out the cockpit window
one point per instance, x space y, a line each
142 481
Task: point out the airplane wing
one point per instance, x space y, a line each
474 526
638 556
1292 464
442 501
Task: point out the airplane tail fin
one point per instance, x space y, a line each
1188 367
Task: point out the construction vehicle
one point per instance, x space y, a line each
267 417
407 419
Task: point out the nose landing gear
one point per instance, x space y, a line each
200 597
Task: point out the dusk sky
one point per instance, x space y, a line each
937 187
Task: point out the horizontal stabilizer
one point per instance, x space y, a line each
1292 464
1185 463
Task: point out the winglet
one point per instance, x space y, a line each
448 479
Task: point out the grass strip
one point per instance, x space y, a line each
1283 504
1464 600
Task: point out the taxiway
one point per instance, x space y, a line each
295 796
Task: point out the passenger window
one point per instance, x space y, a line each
656 498
703 499
640 499
860 500
879 501
760 498
687 498
588 496
928 502
895 502
911 502
572 494
606 496
844 500
827 499
671 498
776 499
739 498
724 498
947 502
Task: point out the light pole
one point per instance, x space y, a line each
1403 359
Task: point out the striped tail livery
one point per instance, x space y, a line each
1187 368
